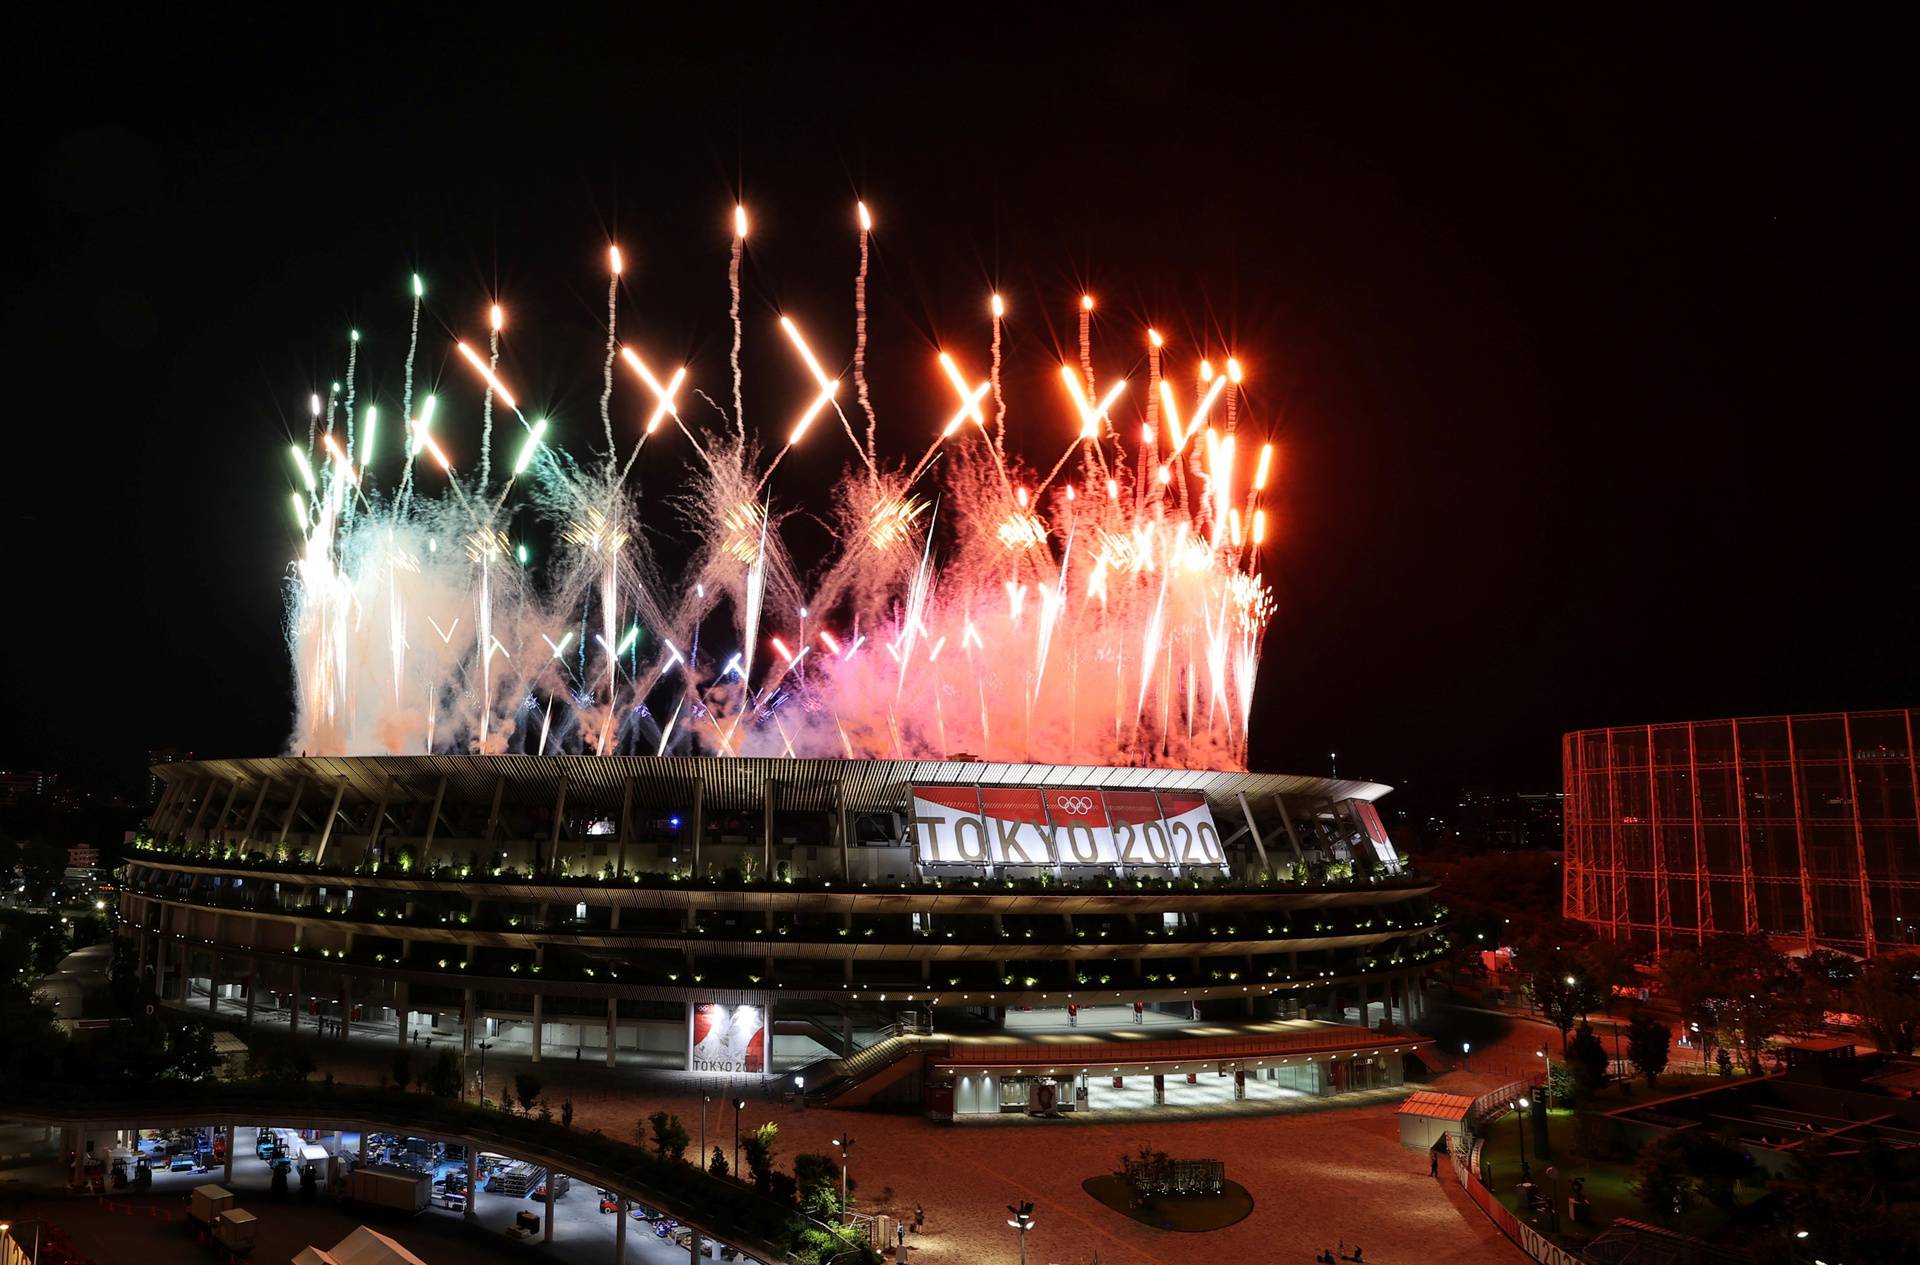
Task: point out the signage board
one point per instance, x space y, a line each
1369 818
725 1038
1056 825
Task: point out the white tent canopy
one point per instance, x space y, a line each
362 1247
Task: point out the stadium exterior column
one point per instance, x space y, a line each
693 1245
253 817
546 1230
1293 832
293 1004
402 1011
840 831
219 826
539 1022
140 949
613 1028
213 985
769 796
433 824
346 1007
293 808
473 1182
1259 844
620 1230
553 839
251 977
333 815
467 1018
696 817
620 851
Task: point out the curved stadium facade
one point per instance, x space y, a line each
1095 936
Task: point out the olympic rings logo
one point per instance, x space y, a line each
1074 805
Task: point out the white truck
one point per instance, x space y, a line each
233 1232
380 1186
205 1204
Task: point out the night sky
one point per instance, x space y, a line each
1585 347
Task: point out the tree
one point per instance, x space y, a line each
1610 964
717 1165
1689 982
402 1070
758 1146
670 1137
526 1088
443 1077
1717 1165
190 1054
1557 985
1887 999
1662 1176
1588 1060
817 1184
1648 1042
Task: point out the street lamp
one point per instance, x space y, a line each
1546 1085
1519 1118
739 1105
1022 1221
800 1092
1466 1055
705 1101
845 1144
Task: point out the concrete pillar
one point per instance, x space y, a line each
363 1146
248 984
613 1028
473 1183
226 1176
346 1008
79 1149
546 1229
213 986
402 1009
693 1245
539 1022
620 1224
140 949
293 1004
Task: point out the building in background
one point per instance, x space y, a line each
1804 828
25 786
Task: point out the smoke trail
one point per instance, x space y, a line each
860 330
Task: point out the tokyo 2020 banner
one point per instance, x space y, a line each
728 1039
1029 825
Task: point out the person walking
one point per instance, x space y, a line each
919 1218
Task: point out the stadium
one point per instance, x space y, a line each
953 936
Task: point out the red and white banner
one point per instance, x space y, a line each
1026 825
730 1039
1369 818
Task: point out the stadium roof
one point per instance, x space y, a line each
730 783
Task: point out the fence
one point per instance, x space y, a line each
1493 1102
1466 1167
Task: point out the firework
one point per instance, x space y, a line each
972 603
